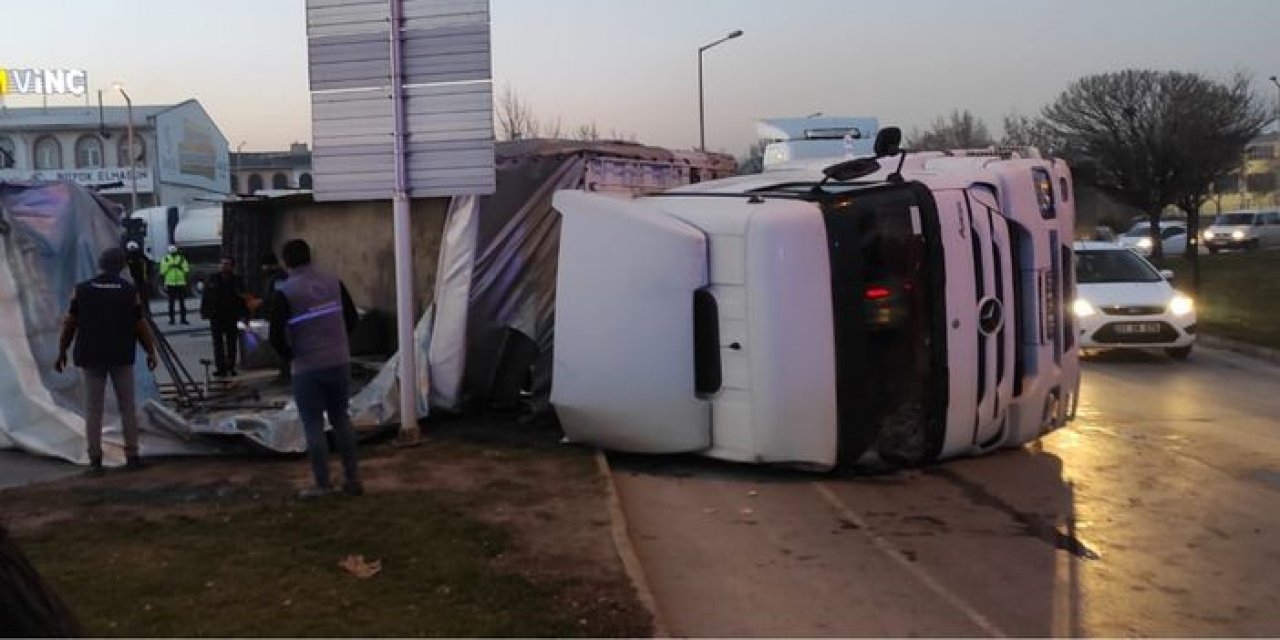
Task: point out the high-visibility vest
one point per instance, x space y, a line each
174 268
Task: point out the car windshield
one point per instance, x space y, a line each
1233 219
1139 231
1113 265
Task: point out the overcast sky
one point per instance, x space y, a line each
631 66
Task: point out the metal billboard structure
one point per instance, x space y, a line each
401 107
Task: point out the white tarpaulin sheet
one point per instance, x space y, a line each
50 237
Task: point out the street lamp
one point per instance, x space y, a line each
133 152
702 117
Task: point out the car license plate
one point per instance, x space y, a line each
1134 328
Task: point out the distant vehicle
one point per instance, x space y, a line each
1103 234
1243 230
1123 302
196 231
1174 236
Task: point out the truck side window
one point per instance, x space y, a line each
1044 193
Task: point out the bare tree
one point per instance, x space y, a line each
516 120
587 132
1152 138
1026 131
960 130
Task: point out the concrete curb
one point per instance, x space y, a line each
626 550
1266 354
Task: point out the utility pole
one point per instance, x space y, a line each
702 117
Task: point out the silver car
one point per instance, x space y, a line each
1243 230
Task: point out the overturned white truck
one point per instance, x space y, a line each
889 311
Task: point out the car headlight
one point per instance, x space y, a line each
1237 235
1181 305
1208 235
1082 308
1144 243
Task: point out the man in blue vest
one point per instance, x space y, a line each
311 315
105 320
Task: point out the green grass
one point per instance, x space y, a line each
1239 296
270 569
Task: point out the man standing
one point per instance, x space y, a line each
139 271
311 315
273 274
223 305
175 270
105 320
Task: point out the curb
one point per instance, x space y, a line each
626 550
1266 354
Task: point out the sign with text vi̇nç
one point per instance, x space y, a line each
43 82
448 98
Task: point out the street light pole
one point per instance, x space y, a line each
702 117
133 153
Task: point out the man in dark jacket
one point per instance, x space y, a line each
105 320
223 305
272 276
311 315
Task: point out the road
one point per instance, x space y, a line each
1156 513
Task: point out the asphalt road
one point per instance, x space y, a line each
1156 513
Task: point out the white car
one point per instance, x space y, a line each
1122 301
1173 234
1243 230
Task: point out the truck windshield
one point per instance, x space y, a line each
887 288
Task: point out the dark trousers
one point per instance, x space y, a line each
321 393
177 294
226 338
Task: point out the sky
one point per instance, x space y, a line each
631 66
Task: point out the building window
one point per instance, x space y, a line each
279 181
304 181
255 183
235 183
1261 152
48 153
88 152
7 149
139 152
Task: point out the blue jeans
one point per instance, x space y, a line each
317 393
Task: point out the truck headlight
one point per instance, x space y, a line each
1181 305
1082 308
1237 235
1144 243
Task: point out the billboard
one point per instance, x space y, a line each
191 151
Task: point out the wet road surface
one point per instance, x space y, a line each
1157 512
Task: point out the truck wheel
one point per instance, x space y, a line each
1179 353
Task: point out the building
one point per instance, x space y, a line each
271 171
180 156
1260 186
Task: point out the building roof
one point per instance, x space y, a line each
76 117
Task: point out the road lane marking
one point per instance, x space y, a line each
925 578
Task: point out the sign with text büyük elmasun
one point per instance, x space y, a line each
448 98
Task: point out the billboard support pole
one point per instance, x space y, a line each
409 432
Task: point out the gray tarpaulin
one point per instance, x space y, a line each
50 237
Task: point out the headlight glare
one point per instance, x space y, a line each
1208 235
1181 305
1237 235
1144 243
1082 308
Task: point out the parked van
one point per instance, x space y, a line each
889 311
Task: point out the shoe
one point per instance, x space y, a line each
233 373
353 488
219 374
95 469
185 322
134 463
171 323
310 493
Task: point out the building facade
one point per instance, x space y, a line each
271 171
179 156
1256 185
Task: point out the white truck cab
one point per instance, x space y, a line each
861 315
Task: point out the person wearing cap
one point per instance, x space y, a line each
104 320
139 271
175 270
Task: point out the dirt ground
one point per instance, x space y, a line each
549 498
